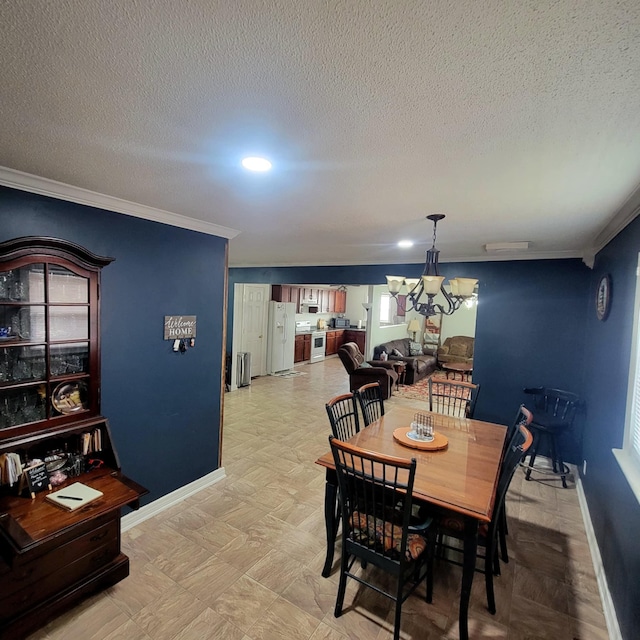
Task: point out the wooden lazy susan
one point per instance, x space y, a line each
439 441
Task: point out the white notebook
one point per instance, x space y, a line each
74 496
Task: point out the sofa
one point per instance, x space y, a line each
417 366
361 372
456 349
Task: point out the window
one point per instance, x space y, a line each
634 418
629 456
385 309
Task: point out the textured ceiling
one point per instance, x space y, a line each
519 120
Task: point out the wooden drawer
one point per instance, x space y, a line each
16 558
66 576
33 567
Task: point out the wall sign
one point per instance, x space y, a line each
603 297
178 327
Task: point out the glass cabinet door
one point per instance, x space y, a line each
49 343
67 287
65 359
23 284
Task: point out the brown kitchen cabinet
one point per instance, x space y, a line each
302 348
298 349
286 293
306 354
340 305
330 344
359 337
49 405
295 297
328 300
331 308
335 340
280 293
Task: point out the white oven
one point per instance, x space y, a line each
318 343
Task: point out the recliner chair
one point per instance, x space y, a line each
362 372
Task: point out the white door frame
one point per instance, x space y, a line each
237 338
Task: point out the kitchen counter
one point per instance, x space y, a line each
302 333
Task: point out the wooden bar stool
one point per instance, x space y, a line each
553 413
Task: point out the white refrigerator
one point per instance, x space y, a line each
282 334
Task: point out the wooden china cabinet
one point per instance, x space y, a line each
50 412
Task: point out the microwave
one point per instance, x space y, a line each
340 323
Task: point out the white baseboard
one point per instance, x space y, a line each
607 603
158 506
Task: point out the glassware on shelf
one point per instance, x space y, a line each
21 406
6 283
5 364
27 323
22 364
18 291
66 359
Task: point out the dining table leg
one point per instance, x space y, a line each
468 570
330 518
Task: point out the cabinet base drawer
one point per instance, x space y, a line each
35 570
36 615
56 582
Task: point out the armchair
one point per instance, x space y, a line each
361 372
456 349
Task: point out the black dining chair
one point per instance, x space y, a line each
523 417
554 411
453 398
369 397
343 416
452 526
345 423
378 525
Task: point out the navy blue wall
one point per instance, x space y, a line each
530 328
163 407
614 509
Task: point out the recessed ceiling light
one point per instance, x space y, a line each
405 244
255 163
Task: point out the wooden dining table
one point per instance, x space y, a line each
460 478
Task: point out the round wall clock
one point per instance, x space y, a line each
603 297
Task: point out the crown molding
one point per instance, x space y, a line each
626 214
46 187
540 255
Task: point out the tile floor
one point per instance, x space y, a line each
241 560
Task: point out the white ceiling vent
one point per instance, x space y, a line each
502 247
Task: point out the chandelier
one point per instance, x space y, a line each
422 291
